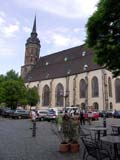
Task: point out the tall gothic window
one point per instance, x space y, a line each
96 106
110 87
59 95
46 96
82 88
117 90
95 87
111 106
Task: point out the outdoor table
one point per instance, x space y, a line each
113 140
98 130
116 126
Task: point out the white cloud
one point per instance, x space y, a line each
65 38
2 14
10 30
60 40
27 29
1 21
6 49
64 8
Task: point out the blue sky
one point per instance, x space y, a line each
60 25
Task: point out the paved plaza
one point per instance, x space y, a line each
17 143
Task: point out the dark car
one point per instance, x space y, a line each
107 114
19 114
6 112
116 114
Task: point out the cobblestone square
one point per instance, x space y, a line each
17 143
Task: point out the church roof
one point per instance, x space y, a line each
68 62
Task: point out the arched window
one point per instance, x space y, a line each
111 106
46 95
83 88
117 90
110 87
83 106
95 87
95 106
59 95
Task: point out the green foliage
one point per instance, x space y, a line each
12 90
32 96
103 35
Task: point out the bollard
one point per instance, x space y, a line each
104 123
34 129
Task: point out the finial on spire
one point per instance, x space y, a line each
34 25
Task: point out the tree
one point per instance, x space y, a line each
13 93
12 90
103 35
32 96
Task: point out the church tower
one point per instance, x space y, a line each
32 51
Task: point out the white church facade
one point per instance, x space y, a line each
69 78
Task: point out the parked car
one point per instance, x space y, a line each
116 114
19 114
6 112
108 114
51 115
94 115
42 114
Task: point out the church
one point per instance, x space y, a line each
69 78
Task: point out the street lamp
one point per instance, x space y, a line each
64 96
85 67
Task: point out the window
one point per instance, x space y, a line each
83 106
59 95
95 106
111 106
46 63
110 87
83 88
95 87
46 95
65 59
117 90
85 67
83 53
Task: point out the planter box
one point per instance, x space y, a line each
74 147
63 148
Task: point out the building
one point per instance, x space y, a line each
69 77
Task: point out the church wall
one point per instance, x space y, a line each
74 97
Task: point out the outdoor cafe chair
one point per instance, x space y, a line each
84 132
101 133
94 150
114 131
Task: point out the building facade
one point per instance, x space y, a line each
69 78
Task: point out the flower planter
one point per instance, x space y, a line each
64 147
74 147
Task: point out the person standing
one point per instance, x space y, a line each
89 117
82 119
33 115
